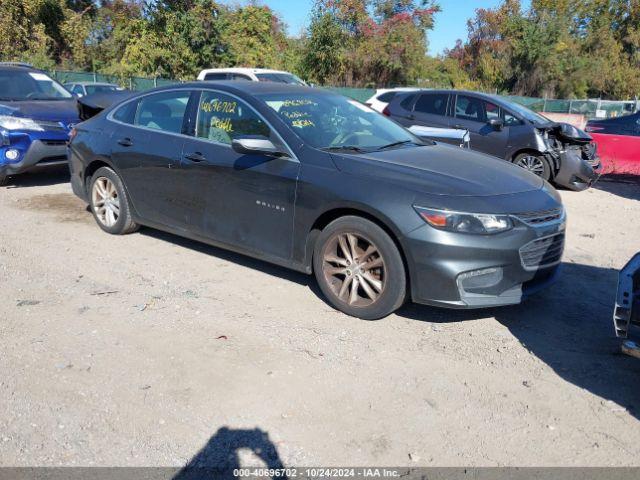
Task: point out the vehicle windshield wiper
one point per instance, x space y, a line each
344 147
395 144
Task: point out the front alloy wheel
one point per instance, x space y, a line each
359 268
354 269
536 164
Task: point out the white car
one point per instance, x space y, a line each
250 74
383 96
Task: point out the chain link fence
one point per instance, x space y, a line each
589 108
132 83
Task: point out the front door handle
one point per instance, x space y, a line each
196 157
125 142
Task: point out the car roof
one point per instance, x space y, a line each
486 96
103 84
242 70
252 88
397 89
18 68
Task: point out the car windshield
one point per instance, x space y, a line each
280 78
334 122
100 88
526 113
17 85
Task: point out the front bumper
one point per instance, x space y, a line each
441 264
575 172
33 151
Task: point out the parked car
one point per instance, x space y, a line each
250 74
559 153
627 308
383 96
36 115
80 89
624 125
618 141
322 184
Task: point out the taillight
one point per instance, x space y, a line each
72 134
386 112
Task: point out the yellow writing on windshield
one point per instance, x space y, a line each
297 103
303 123
293 115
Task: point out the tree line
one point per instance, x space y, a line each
554 48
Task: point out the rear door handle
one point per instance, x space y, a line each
125 142
196 157
459 127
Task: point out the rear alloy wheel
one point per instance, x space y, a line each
109 203
359 268
536 164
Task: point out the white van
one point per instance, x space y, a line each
250 74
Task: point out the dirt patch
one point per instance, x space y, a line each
151 350
66 207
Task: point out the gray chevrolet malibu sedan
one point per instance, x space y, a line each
322 184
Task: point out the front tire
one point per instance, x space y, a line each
109 203
4 179
359 268
536 164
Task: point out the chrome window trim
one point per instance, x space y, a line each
292 156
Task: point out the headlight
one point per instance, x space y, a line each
18 123
465 222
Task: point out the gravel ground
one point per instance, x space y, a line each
149 349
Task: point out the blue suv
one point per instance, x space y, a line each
36 116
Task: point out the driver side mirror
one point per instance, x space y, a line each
496 123
256 145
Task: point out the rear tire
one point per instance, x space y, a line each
534 163
109 203
359 268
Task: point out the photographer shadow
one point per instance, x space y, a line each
221 455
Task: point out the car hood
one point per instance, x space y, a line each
65 111
441 170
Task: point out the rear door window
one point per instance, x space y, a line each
163 111
432 104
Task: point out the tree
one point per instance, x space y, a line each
347 44
566 48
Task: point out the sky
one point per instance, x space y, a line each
450 23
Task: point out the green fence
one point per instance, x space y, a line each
588 108
132 83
